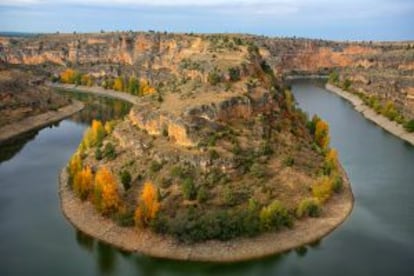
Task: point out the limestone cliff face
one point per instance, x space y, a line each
184 129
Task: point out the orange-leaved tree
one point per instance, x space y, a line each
322 134
68 76
145 88
83 183
148 205
106 197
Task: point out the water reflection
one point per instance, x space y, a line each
97 107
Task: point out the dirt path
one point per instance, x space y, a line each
382 121
84 217
98 91
33 122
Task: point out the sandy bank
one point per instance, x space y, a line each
33 122
97 91
382 121
84 217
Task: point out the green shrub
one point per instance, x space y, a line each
202 195
98 154
234 74
347 84
308 207
109 151
214 77
257 170
334 77
155 166
214 154
409 126
188 188
337 184
125 179
275 216
289 161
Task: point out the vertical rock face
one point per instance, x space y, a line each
183 128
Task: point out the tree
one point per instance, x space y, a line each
148 205
109 126
86 80
125 179
94 135
118 84
133 86
145 88
322 134
68 76
322 188
274 216
75 165
331 162
106 196
83 183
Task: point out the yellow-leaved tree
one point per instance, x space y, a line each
94 135
74 166
322 188
322 134
118 84
106 197
145 88
331 162
148 205
83 183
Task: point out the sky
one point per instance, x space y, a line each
325 19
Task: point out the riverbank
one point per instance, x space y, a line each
85 218
390 126
97 91
9 131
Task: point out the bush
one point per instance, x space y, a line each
322 188
98 154
308 207
234 74
214 154
155 166
334 77
188 189
257 170
275 216
337 184
214 77
289 161
202 195
109 151
125 179
409 126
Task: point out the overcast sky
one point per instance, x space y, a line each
328 19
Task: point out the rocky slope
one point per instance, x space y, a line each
378 68
22 94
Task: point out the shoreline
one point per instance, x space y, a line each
97 91
381 121
84 217
12 130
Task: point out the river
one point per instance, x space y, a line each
378 237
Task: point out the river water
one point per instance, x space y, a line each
378 237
